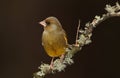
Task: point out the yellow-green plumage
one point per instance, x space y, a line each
54 43
54 38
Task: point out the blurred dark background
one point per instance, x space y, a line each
21 51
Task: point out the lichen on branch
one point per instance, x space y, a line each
83 38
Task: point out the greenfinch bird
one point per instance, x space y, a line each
54 38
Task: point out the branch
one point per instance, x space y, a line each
84 38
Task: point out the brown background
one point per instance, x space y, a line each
20 38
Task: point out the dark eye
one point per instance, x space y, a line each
47 22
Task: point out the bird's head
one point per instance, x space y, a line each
51 23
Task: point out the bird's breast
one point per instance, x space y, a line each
54 43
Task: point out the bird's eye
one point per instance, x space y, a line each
47 22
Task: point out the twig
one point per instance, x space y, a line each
84 39
77 33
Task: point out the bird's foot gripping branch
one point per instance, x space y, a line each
84 38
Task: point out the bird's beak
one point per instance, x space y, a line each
43 23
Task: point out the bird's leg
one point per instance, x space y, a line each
52 62
62 58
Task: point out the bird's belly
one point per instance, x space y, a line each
54 46
54 49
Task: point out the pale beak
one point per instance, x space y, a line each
43 23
